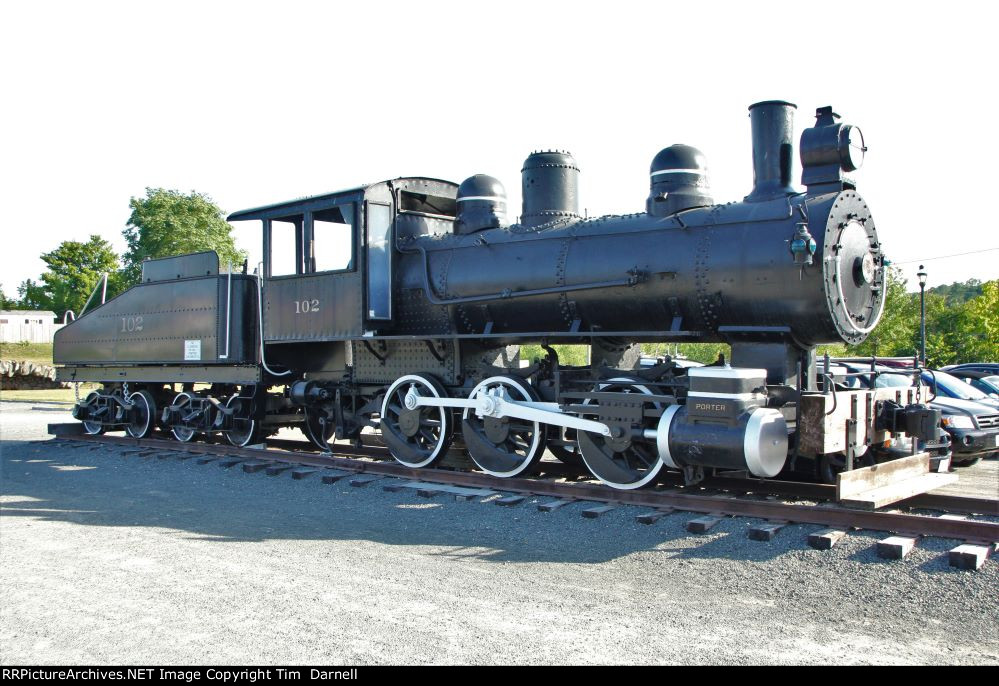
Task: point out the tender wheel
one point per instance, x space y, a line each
507 446
319 427
92 428
182 434
620 462
244 429
416 437
142 417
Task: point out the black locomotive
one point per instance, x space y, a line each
400 306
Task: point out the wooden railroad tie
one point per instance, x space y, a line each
703 524
594 512
766 531
825 539
895 547
331 476
654 516
364 480
969 555
254 467
553 505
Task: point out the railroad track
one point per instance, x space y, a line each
716 498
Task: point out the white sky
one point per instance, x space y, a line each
256 102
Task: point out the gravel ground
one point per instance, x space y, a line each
105 558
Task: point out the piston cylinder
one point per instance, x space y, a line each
724 424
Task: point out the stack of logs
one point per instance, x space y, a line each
23 375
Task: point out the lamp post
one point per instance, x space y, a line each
921 275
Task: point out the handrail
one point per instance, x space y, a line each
228 314
104 294
260 320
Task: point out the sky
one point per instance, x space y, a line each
258 102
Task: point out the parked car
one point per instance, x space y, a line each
970 417
948 386
848 375
973 426
991 367
986 382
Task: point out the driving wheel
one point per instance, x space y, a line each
416 435
503 446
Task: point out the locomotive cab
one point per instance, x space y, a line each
327 262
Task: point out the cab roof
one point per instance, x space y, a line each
313 202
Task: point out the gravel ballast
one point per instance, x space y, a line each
144 560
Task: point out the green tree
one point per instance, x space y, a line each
31 296
957 292
74 269
897 334
5 302
168 222
981 321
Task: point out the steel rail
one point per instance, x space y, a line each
954 504
658 498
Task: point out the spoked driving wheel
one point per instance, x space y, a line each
245 430
142 416
503 446
620 462
320 427
416 435
182 433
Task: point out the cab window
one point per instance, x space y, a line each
332 245
285 238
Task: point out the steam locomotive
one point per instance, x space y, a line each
400 307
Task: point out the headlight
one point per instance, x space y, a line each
958 421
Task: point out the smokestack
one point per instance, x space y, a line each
773 151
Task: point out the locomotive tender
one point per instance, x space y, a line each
400 306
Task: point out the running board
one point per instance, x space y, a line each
884 484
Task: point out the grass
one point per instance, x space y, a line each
48 395
40 353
